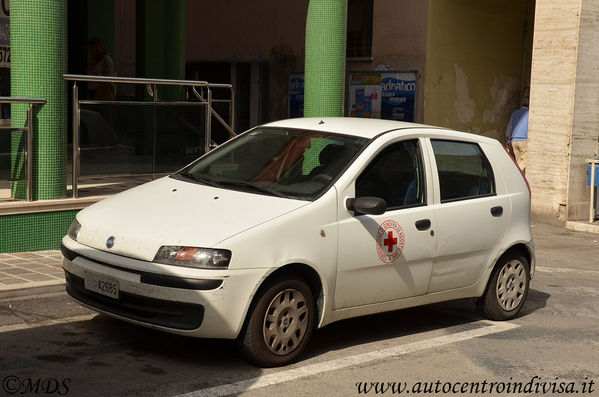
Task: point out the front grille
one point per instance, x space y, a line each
177 315
160 280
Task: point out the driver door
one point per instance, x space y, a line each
389 256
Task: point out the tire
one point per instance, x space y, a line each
279 324
507 289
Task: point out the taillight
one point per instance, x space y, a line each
517 166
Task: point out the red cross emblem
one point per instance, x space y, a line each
390 241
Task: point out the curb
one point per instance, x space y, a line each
582 227
19 291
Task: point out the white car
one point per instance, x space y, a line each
299 223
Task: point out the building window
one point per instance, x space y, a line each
359 28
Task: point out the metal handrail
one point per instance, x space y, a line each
229 128
131 80
28 129
151 84
14 99
139 80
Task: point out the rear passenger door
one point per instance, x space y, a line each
472 214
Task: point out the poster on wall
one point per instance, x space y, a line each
296 96
384 95
365 95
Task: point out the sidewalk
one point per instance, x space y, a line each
30 269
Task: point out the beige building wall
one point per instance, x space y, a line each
475 59
245 30
251 31
398 41
585 126
564 120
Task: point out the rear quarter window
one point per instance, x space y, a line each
464 170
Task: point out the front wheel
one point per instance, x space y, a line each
280 324
508 288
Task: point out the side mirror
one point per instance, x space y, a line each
367 205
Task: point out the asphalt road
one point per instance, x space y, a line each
51 346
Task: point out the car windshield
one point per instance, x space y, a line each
288 163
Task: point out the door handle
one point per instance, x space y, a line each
497 211
423 224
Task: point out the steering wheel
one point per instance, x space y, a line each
322 178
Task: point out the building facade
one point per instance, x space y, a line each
463 64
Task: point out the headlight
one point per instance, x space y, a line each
74 230
193 257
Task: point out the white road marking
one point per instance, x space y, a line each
486 328
19 327
582 272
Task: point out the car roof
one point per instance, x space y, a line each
366 128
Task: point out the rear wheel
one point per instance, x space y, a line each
508 288
280 324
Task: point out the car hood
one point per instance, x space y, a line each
175 212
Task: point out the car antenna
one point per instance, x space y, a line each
321 122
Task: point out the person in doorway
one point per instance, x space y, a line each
517 136
98 121
100 64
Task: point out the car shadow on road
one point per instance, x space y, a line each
407 323
536 300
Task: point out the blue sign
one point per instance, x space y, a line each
296 96
398 99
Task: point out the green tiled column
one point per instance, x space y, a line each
38 39
324 87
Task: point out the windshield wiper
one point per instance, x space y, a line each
252 186
200 179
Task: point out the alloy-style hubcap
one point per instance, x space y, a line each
511 285
286 322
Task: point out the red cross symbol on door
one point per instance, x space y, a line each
390 241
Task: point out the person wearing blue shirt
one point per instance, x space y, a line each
517 136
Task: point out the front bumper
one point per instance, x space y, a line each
176 315
186 301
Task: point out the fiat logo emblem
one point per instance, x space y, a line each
110 242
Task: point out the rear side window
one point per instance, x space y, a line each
464 171
395 175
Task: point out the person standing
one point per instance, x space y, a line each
517 136
100 64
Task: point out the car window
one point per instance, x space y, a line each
395 175
290 163
464 171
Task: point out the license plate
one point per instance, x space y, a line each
102 285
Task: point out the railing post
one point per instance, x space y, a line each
76 149
232 109
154 133
592 201
208 133
29 154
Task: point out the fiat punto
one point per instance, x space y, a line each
299 223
